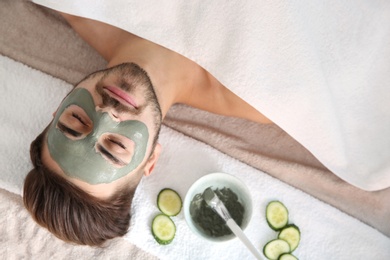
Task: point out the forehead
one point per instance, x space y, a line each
103 191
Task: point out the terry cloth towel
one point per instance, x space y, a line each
27 107
29 99
318 69
325 230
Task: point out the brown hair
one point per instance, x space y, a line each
67 211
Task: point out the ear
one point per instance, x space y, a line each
152 160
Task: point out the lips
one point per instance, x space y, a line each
121 96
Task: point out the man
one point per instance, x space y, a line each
103 137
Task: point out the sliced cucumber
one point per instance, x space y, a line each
163 229
287 256
169 202
275 248
291 235
276 215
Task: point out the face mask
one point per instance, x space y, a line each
79 158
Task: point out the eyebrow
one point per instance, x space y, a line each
66 129
112 158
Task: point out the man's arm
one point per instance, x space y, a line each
102 37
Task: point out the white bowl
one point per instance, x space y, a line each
218 180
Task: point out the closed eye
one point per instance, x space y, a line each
74 122
79 118
109 156
63 128
118 143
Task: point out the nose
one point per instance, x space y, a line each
110 111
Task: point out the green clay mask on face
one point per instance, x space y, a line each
79 158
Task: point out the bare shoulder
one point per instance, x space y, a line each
232 105
68 17
214 97
104 38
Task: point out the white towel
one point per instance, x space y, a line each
318 69
327 233
30 97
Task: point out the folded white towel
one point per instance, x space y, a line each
318 69
327 233
30 97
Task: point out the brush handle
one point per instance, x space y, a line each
244 239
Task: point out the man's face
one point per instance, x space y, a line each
104 129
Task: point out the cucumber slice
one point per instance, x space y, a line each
163 229
287 256
275 248
276 215
291 235
169 202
